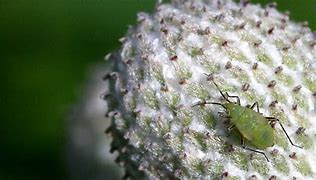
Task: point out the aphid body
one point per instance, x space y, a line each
252 125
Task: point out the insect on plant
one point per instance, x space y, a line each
251 124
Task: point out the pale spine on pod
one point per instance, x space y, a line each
168 63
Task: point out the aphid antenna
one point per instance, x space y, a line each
221 92
205 102
218 88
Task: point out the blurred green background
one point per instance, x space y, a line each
46 49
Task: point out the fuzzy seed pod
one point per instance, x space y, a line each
168 63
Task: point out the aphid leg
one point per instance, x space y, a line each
273 119
229 129
223 115
221 92
255 104
204 102
238 100
253 150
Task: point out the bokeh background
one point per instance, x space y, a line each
48 49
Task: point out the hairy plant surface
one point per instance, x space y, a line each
168 63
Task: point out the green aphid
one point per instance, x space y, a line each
252 125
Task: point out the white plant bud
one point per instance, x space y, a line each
168 63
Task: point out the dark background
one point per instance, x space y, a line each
46 49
